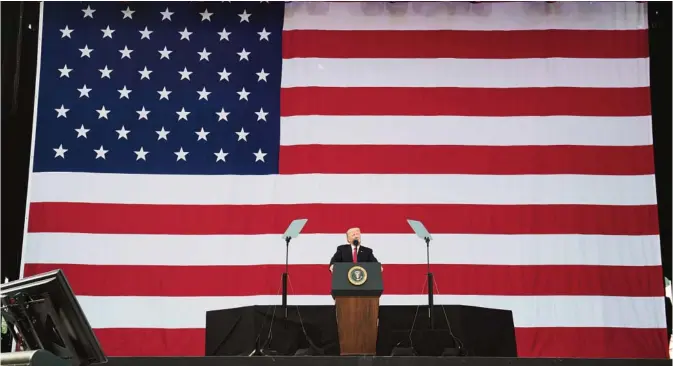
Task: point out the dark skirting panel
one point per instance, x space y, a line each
479 331
235 332
483 332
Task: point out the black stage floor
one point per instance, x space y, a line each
374 361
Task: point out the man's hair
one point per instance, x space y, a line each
353 228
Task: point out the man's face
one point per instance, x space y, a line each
353 234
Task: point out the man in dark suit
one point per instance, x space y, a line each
353 251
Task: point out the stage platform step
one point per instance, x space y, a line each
373 361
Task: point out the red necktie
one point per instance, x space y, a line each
355 255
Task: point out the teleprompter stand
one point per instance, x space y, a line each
423 233
292 232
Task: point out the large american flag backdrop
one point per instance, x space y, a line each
174 142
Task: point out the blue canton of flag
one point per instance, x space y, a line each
159 88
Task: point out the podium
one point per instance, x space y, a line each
356 288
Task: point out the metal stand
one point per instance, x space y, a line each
423 233
285 274
292 232
431 284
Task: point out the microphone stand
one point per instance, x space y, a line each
431 284
285 274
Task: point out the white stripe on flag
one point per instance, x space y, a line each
343 188
528 311
465 131
466 73
216 250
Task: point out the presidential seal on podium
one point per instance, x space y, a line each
357 276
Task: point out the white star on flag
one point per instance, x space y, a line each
81 132
123 133
202 135
245 17
141 154
261 115
126 52
88 12
128 13
62 112
102 113
100 152
163 134
243 94
264 35
107 32
60 151
145 33
259 156
84 91
65 32
185 34
182 155
142 114
221 155
206 15
166 15
243 55
182 114
165 53
124 93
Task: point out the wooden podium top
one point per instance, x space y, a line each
357 279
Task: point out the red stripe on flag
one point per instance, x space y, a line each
592 342
329 218
466 44
531 342
488 102
414 159
400 279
